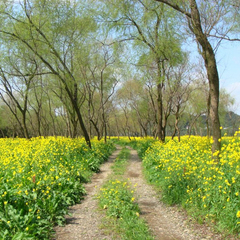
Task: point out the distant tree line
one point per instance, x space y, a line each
113 68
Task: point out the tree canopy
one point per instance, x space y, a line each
103 68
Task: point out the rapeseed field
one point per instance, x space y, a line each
187 175
40 178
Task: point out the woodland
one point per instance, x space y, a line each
85 68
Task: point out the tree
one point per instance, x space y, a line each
101 81
16 77
196 109
203 21
124 108
179 92
55 32
153 35
133 96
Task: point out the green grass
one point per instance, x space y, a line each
121 162
117 199
186 175
40 178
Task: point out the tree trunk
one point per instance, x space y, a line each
212 73
179 135
96 129
105 132
38 124
160 128
26 134
208 115
174 132
116 121
3 135
74 101
210 64
159 113
176 128
74 128
85 133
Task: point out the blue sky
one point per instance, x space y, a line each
228 60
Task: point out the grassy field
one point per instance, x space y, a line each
40 178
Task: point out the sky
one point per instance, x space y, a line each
228 61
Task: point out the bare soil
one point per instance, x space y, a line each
85 219
165 223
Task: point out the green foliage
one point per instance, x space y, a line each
187 175
121 162
117 199
142 145
40 179
137 143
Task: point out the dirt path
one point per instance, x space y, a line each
86 219
166 223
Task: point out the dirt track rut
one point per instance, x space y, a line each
165 223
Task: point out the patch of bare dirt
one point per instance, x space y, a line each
85 218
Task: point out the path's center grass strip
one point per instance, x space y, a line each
117 198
